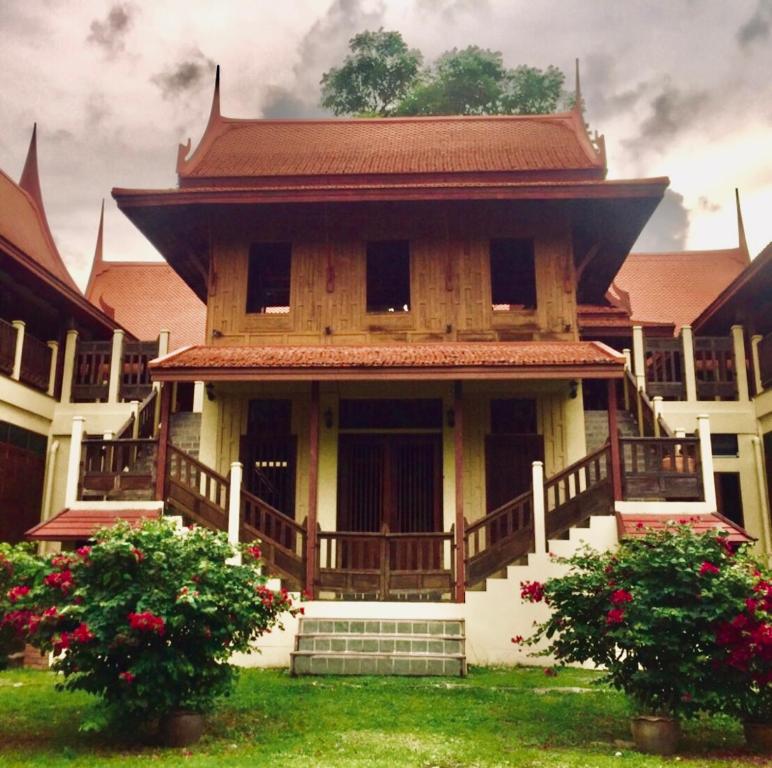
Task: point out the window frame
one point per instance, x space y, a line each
385 313
513 309
275 316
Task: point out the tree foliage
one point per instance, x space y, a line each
381 76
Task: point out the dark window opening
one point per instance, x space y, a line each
268 281
388 276
513 416
723 444
272 417
513 274
391 414
729 496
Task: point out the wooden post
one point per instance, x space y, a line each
163 441
625 387
458 444
313 489
613 437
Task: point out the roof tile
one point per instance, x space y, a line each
78 524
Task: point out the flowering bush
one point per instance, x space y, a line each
148 616
659 614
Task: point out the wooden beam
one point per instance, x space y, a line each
163 442
613 435
458 445
313 490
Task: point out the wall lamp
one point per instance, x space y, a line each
573 389
210 391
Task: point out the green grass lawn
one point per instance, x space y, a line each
494 717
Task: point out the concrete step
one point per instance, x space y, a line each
379 647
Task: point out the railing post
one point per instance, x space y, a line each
740 365
313 490
758 386
539 515
19 325
73 461
134 405
54 347
706 461
458 450
613 435
116 367
656 404
628 367
163 442
687 353
234 509
639 357
68 369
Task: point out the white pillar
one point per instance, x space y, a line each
741 369
48 487
234 508
656 405
163 342
539 517
757 385
73 461
19 326
639 358
198 396
134 405
116 367
706 460
690 376
68 368
628 359
54 347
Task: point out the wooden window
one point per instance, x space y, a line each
513 416
513 274
388 276
268 281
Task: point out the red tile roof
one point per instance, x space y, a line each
78 524
145 297
524 358
631 525
676 287
534 144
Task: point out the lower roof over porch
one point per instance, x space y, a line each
396 361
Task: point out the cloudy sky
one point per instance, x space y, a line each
679 88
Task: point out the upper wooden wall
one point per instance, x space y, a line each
450 276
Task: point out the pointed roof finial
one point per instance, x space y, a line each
30 178
98 263
742 243
578 105
214 114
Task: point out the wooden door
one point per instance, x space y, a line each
21 490
269 469
508 459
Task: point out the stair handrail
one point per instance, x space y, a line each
643 410
127 428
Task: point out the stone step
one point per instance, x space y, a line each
310 663
446 627
382 644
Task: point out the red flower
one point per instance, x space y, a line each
621 596
254 552
615 616
61 561
531 591
686 697
518 639
82 634
139 555
127 677
83 552
14 593
708 568
550 672
62 644
60 580
147 622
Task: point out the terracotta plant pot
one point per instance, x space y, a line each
655 734
180 729
758 736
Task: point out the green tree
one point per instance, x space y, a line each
374 77
381 76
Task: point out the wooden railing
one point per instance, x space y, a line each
115 470
765 361
91 375
714 368
383 565
135 373
7 347
664 368
638 404
35 363
665 468
144 425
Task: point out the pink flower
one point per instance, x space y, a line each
621 596
60 580
531 591
127 677
15 593
708 568
83 552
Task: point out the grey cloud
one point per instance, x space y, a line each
668 227
450 9
758 26
185 75
280 103
110 33
96 109
706 204
603 98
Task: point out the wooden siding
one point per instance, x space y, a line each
450 275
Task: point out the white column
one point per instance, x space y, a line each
19 326
757 385
539 517
163 342
706 460
234 508
638 357
628 359
656 405
48 486
68 368
134 405
690 377
741 369
54 347
116 367
198 396
73 461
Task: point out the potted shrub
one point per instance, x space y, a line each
647 614
146 619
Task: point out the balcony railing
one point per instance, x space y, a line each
664 368
714 368
135 373
7 347
765 361
118 470
661 469
35 363
91 373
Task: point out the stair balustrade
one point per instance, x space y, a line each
661 469
117 470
